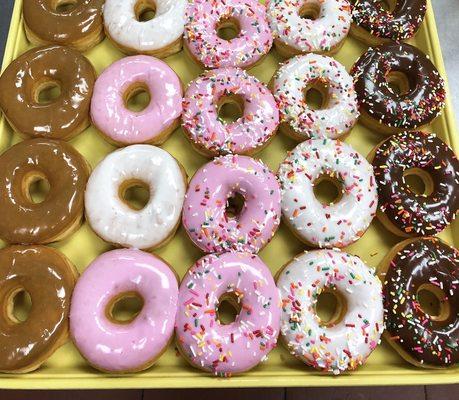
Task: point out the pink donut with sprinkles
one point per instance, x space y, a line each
209 134
246 18
215 221
245 282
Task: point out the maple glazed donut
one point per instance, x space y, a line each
422 89
61 211
74 23
48 277
40 69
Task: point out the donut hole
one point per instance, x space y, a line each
19 305
135 194
228 308
234 205
64 6
230 108
316 95
433 302
387 5
398 83
145 10
331 307
228 28
328 189
418 181
46 92
36 187
124 308
137 97
310 11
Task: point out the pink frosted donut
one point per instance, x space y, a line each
122 80
207 209
212 136
246 17
246 282
124 347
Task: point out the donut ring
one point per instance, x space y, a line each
227 349
79 25
345 219
113 219
401 210
129 346
207 210
39 69
48 277
353 332
61 212
422 91
122 80
428 341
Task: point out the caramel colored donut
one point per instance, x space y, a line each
48 277
78 25
39 69
61 212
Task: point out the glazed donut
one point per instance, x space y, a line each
375 25
403 211
345 219
246 17
324 33
48 277
61 212
214 224
339 110
159 37
78 24
124 79
410 267
347 339
422 91
113 219
211 136
40 69
111 345
244 281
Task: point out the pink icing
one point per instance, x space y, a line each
204 212
110 114
250 132
252 43
123 347
242 344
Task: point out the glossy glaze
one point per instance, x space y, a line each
62 118
24 221
49 278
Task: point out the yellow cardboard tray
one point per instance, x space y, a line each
66 369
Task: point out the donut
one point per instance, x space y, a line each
207 342
338 111
58 165
374 24
48 277
160 36
37 71
410 268
344 341
75 23
124 79
111 345
309 26
418 96
346 218
212 217
204 43
115 220
402 210
204 98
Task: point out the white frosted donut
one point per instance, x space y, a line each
160 36
322 34
113 219
346 341
339 223
340 110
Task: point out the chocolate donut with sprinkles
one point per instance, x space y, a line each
402 210
421 301
398 88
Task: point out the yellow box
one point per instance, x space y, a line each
66 369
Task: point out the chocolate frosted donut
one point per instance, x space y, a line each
422 91
61 211
40 69
403 211
48 277
413 270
